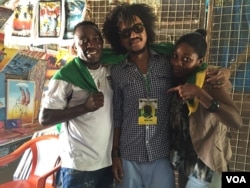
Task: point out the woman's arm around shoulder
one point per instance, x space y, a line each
227 112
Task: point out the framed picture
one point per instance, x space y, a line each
50 18
20 101
23 20
75 12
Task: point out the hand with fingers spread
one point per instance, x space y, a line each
94 102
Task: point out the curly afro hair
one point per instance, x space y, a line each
126 13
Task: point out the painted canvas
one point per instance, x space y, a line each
75 12
37 52
20 100
6 55
21 24
37 74
2 100
49 18
57 60
5 14
20 64
24 18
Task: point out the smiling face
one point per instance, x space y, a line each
89 45
136 39
184 61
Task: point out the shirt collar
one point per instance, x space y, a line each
127 63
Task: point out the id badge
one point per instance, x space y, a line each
147 112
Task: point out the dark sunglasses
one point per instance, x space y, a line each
137 28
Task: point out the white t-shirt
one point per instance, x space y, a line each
86 141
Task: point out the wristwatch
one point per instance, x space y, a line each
215 105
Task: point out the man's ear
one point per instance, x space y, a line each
73 49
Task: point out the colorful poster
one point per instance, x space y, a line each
23 19
20 64
19 29
50 18
6 54
75 12
57 60
20 100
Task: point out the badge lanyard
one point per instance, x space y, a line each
146 83
147 106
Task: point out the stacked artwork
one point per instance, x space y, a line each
35 42
21 80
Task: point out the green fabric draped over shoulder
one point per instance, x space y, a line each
192 78
164 48
109 57
76 72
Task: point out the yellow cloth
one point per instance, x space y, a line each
197 78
